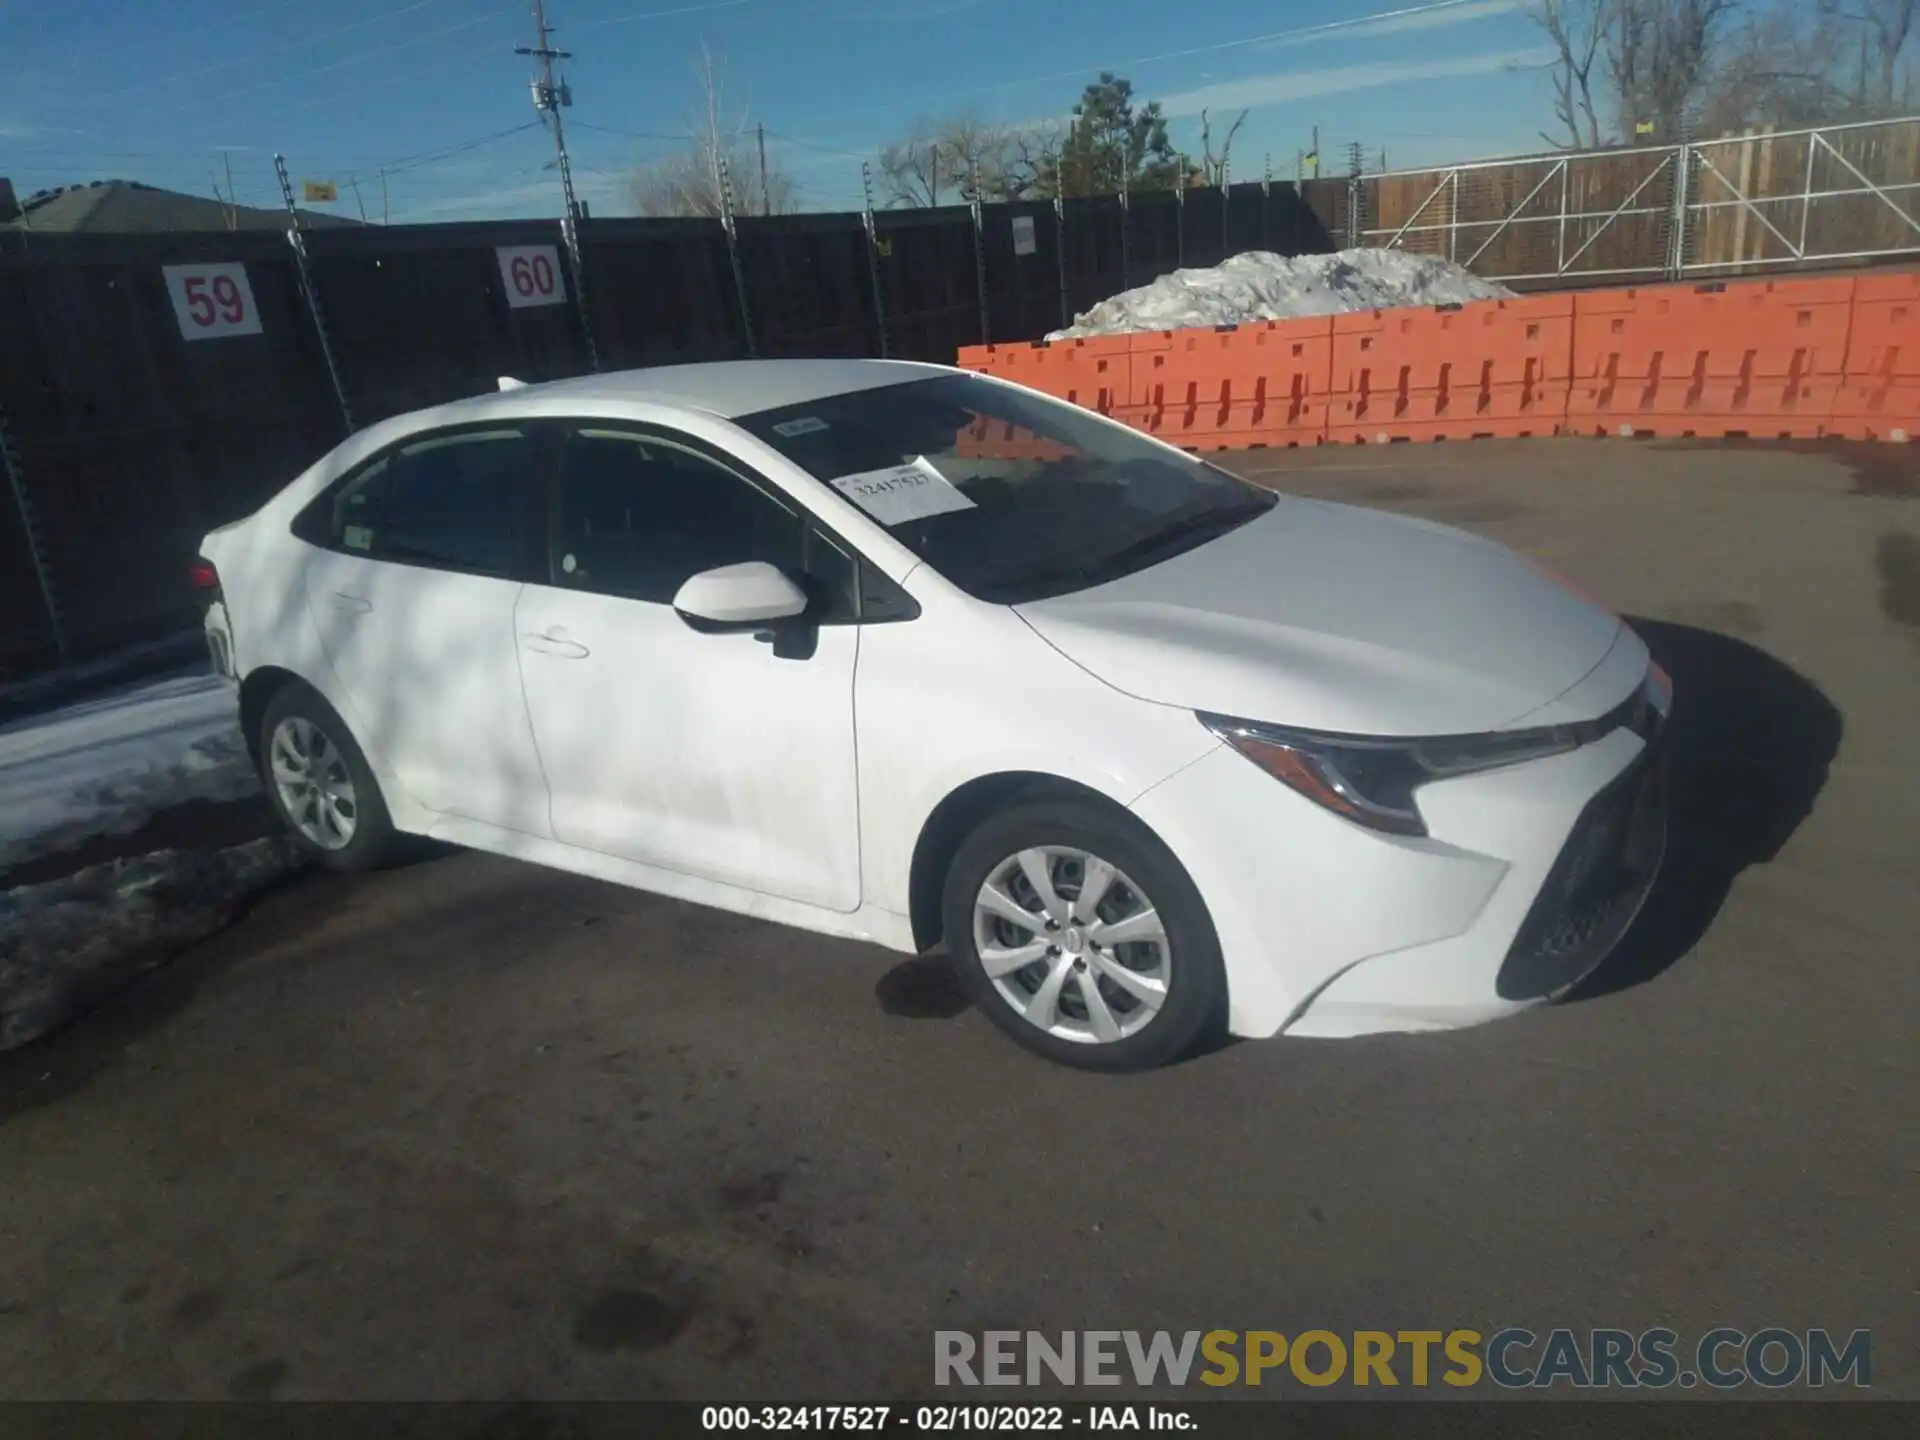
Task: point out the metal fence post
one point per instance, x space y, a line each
1226 211
979 254
1180 224
1266 204
1060 258
304 269
36 547
873 258
728 224
1682 218
570 236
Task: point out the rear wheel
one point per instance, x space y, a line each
1083 938
320 783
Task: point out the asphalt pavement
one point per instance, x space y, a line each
472 1130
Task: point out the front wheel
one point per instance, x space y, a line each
1083 938
320 783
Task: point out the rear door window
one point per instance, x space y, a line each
460 501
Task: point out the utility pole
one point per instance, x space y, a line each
384 212
354 180
549 98
233 215
766 195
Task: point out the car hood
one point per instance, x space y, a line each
1335 618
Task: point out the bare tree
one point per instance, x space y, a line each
962 157
1214 171
945 158
1780 66
1034 161
1661 55
1890 24
1579 30
720 152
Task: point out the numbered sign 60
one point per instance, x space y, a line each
212 302
532 275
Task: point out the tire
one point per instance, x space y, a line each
372 841
1184 964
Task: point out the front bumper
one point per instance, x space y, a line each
1529 878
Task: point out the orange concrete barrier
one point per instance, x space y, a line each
1756 358
1786 358
1496 368
1879 396
1091 373
1234 387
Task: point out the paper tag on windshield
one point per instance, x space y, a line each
903 492
794 429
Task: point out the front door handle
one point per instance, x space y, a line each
556 645
352 604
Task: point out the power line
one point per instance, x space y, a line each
432 157
663 14
631 134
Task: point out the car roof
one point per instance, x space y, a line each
728 388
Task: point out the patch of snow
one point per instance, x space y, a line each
1262 286
68 944
106 765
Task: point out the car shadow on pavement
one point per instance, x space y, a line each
1749 743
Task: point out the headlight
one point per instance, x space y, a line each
1372 782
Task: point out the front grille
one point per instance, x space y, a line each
1597 885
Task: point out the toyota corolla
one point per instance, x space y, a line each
922 658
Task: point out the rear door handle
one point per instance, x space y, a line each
353 604
556 646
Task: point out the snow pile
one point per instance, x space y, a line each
1264 286
67 944
105 766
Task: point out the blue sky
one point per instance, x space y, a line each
174 91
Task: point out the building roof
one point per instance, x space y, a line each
123 207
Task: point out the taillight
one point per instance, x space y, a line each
204 578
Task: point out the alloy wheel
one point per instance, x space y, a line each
1073 944
314 783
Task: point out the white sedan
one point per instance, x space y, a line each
910 655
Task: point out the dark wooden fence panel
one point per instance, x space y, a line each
928 283
661 292
809 287
1204 233
1023 291
1154 236
418 314
1097 262
132 441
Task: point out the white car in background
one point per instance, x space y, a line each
910 655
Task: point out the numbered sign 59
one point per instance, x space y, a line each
532 275
212 302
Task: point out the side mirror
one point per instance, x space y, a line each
739 597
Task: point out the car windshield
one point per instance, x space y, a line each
1010 495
